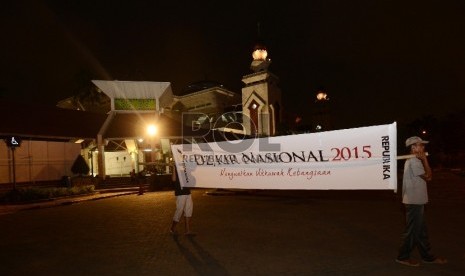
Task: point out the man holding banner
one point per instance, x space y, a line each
414 195
184 204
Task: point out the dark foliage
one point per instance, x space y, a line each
80 166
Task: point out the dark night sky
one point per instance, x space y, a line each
379 61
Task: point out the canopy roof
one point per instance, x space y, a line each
133 89
160 91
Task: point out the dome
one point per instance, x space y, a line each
259 52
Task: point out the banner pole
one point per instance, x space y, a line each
401 157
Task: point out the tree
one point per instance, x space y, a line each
80 166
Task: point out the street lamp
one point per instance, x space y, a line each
151 130
322 96
321 112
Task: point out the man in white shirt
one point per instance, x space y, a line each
417 172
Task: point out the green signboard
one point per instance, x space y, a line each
135 104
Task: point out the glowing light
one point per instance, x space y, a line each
321 96
259 54
151 130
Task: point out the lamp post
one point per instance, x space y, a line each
321 116
151 131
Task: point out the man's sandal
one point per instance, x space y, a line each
408 262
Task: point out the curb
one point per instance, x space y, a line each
9 209
226 192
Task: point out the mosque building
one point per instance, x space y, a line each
205 112
118 142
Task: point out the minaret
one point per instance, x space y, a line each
261 96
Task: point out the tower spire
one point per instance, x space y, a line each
259 54
258 31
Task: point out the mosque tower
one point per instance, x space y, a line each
261 96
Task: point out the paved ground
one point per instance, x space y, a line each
258 233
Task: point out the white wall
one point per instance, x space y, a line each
118 163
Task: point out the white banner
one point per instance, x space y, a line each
348 159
